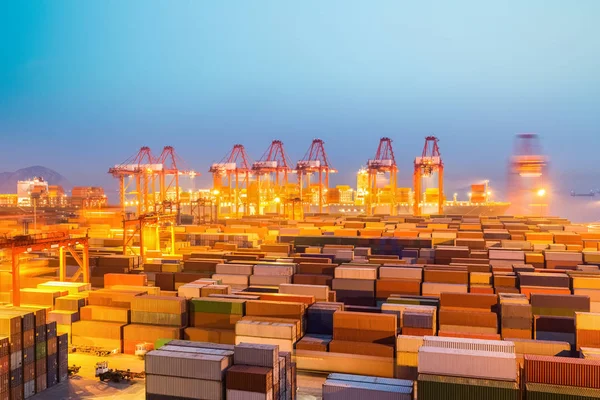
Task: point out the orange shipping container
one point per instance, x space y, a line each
125 279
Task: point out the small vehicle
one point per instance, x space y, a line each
73 369
141 349
116 375
98 351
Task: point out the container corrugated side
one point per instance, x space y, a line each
259 355
540 391
185 388
243 395
500 346
562 371
275 330
468 364
346 390
187 365
435 387
370 379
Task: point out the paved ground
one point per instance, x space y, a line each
84 385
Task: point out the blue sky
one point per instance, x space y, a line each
84 84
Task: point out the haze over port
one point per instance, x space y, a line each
95 83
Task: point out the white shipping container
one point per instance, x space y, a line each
231 279
370 379
356 273
234 269
468 364
187 365
401 273
190 290
184 387
499 346
320 292
274 270
435 289
263 280
274 330
563 256
346 390
514 255
409 344
244 395
284 344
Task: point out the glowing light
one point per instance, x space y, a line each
216 192
277 200
541 192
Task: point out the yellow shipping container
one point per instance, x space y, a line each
584 282
409 344
407 359
587 321
480 278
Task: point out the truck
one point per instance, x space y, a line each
116 375
98 351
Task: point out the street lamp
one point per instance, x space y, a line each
277 201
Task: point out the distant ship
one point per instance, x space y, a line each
591 193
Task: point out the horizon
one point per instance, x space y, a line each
84 87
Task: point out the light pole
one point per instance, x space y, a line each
541 193
278 202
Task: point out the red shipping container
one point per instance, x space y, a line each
125 279
562 371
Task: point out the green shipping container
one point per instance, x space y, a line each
540 391
437 387
160 343
41 351
218 306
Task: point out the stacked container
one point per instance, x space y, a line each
319 326
235 275
515 318
355 285
587 330
549 377
469 313
364 334
66 311
398 280
344 387
11 327
413 320
407 356
153 318
272 275
213 319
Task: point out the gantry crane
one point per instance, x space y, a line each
150 183
272 176
315 161
135 175
227 172
52 241
528 170
169 173
427 165
384 162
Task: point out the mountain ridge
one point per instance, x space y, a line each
8 180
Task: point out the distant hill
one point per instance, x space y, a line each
8 180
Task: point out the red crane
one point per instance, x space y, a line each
528 169
169 191
272 175
136 176
227 172
429 163
315 161
384 162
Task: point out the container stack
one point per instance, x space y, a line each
469 313
272 275
413 319
319 292
588 286
261 372
11 328
562 259
407 356
364 334
66 311
544 283
319 326
52 372
549 377
587 330
467 369
355 285
279 309
152 318
344 386
213 319
5 362
554 316
314 273
280 332
438 280
516 318
186 372
26 374
118 264
63 356
235 275
398 280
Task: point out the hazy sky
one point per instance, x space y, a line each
84 84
